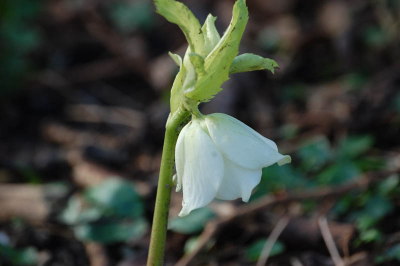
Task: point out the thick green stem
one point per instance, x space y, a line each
161 211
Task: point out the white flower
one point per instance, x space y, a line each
217 156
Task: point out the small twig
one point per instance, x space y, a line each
273 237
326 234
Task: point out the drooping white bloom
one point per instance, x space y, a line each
217 156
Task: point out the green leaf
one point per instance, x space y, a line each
370 235
388 185
315 154
370 163
111 232
354 146
338 173
192 223
217 63
394 252
198 64
179 14
116 197
252 62
177 59
253 252
343 205
211 34
17 257
275 178
75 213
378 207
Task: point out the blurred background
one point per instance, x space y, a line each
84 91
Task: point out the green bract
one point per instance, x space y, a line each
209 59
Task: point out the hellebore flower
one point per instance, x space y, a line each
217 156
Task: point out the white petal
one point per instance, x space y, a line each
203 169
238 182
180 156
241 144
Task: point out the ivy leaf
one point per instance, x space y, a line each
252 62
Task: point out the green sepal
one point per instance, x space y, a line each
177 59
217 63
179 14
252 62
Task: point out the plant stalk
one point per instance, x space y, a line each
161 211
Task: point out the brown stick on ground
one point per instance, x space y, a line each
31 202
267 201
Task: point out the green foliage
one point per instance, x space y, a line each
211 35
209 59
251 62
368 209
328 165
354 146
314 154
217 63
374 209
19 257
109 212
346 157
177 13
177 59
370 235
192 223
111 232
116 197
253 252
389 185
392 254
277 178
338 173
